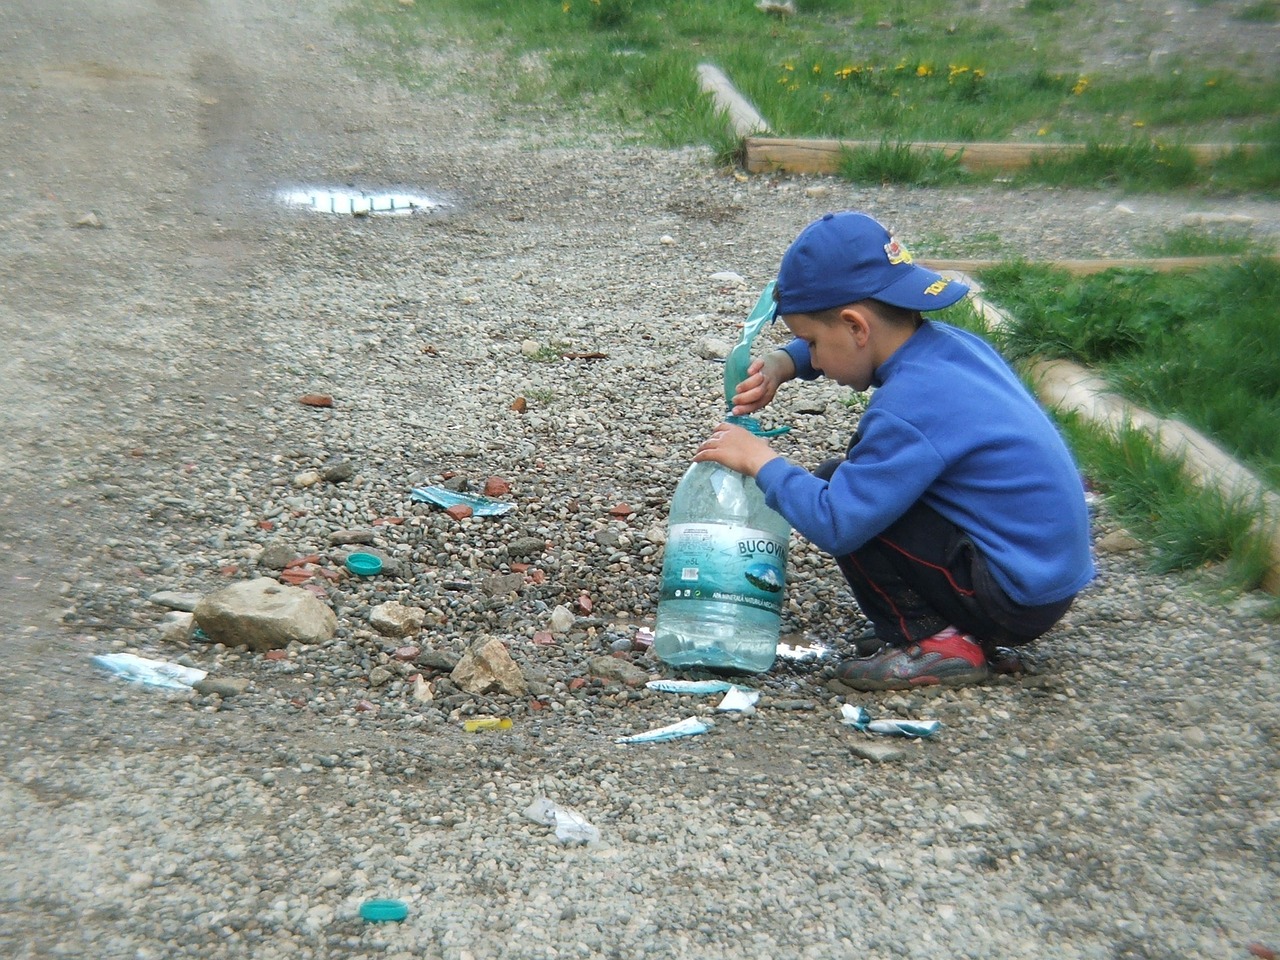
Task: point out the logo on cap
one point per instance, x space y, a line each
897 253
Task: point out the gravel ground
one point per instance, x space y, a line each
1118 801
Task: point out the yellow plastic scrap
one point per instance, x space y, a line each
487 723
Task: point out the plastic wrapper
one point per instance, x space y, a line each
739 700
480 506
151 673
860 719
690 686
689 727
571 827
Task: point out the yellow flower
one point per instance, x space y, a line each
788 66
817 69
1043 131
924 70
1139 123
564 7
1081 86
844 73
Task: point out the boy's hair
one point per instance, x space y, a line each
895 316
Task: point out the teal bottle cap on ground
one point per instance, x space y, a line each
364 564
384 911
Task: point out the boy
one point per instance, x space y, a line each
957 516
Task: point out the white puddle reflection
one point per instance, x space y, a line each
357 202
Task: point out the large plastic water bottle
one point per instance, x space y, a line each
723 574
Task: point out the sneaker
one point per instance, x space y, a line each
866 644
949 658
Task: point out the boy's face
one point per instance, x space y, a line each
837 347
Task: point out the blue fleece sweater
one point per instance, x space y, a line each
950 424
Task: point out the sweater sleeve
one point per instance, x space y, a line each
893 466
798 351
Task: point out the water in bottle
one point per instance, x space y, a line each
723 574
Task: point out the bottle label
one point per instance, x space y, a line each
727 564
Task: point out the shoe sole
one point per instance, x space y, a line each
953 680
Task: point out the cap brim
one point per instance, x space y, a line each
922 289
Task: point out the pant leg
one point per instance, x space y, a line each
923 573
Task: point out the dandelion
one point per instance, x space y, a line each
979 74
817 69
1211 82
1081 86
1042 132
1139 123
564 7
924 70
789 67
954 71
844 73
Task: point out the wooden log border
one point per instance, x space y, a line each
774 155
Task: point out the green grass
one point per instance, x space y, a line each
1186 526
888 72
1203 347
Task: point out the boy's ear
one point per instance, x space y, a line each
857 319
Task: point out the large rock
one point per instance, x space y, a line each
488 668
264 614
394 619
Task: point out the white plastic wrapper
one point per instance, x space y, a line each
739 700
689 727
153 673
571 827
859 719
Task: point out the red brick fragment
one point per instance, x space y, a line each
316 400
276 655
302 561
496 487
459 511
519 404
622 510
584 603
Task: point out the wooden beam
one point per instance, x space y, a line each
773 155
744 119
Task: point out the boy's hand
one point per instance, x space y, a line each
764 376
737 449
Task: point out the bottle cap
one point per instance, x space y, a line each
364 564
384 911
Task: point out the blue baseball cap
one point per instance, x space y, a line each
847 257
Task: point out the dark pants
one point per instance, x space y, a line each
923 574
